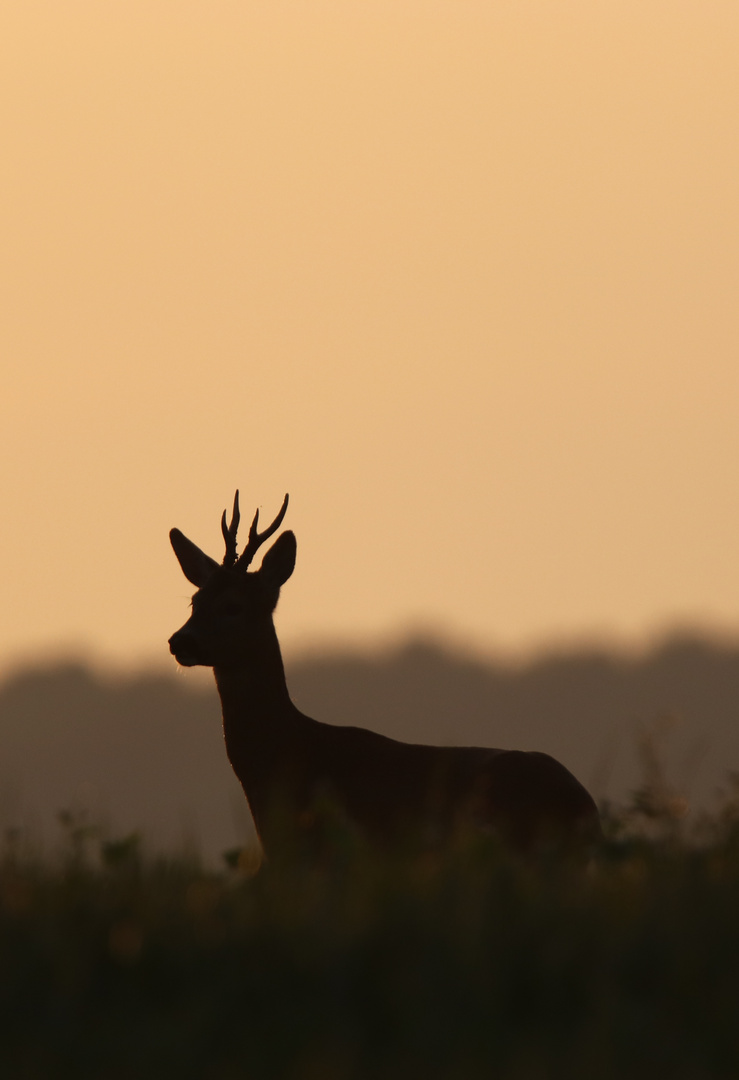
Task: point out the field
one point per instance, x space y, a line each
116 966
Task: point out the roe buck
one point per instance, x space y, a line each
294 769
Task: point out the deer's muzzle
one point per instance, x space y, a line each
185 648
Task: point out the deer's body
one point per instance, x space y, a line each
295 770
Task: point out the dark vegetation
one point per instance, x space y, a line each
118 963
114 966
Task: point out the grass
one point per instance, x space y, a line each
114 966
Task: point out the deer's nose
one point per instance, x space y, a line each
183 647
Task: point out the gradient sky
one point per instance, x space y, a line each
462 277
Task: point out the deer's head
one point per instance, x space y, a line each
232 606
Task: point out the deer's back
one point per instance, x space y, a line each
394 791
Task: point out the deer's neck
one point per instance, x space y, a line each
260 723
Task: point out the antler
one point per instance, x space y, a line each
229 532
256 539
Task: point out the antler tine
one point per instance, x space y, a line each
229 532
256 539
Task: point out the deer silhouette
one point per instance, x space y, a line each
296 772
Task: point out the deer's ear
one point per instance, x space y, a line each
196 565
279 562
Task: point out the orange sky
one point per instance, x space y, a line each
461 277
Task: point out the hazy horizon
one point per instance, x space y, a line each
144 750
